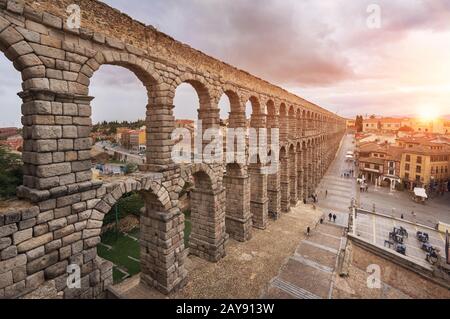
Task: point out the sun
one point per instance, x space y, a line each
428 113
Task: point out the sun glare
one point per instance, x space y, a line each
428 113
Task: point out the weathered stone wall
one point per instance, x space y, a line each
63 223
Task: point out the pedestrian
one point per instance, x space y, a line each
330 216
326 193
304 201
308 230
402 217
334 217
321 221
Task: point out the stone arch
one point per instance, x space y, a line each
233 95
208 236
143 69
17 50
203 89
256 105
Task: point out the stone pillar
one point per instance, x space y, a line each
259 200
273 180
310 171
284 127
208 237
293 178
315 167
162 252
292 126
285 192
238 217
300 174
259 204
274 194
160 124
57 143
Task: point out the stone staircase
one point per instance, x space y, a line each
309 273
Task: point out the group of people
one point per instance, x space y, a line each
332 216
364 188
347 174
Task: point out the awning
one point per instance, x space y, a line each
349 156
420 192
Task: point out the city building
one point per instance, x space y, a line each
390 124
134 140
371 125
425 164
379 164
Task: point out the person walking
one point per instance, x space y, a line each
402 217
326 193
334 217
308 231
330 216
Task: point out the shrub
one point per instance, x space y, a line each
10 173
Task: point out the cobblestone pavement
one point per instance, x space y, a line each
246 270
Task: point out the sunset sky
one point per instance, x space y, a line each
321 50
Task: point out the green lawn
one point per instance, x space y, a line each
124 247
187 227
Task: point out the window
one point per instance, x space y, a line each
418 169
417 178
407 167
391 164
407 176
408 158
419 159
377 167
367 165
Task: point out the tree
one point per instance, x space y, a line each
10 173
359 123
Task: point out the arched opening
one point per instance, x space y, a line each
207 238
119 130
11 131
120 138
236 180
193 115
120 236
192 102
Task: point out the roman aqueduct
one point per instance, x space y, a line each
62 222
